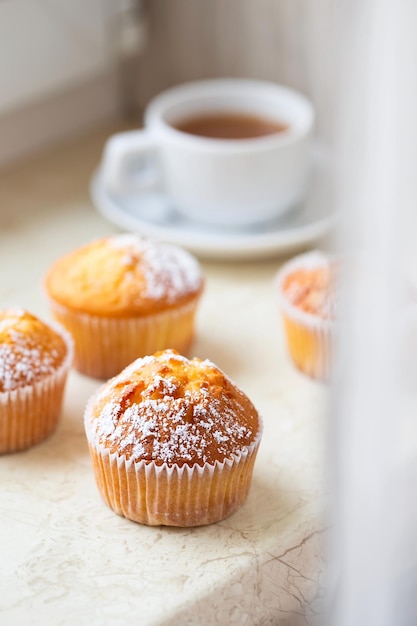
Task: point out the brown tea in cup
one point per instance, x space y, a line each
230 125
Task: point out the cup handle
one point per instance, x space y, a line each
127 162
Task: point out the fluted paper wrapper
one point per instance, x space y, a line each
104 346
310 347
171 495
29 414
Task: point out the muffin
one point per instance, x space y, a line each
172 441
34 363
306 293
122 297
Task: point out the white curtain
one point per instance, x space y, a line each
372 578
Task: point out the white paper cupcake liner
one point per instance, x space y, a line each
29 414
170 495
104 345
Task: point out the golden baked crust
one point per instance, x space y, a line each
29 349
311 291
124 276
168 409
307 286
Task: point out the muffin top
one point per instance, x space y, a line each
308 283
166 408
124 275
29 349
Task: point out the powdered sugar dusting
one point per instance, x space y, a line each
25 356
125 241
172 421
313 290
169 271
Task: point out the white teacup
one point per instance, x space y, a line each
229 182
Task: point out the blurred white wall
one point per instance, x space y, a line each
66 65
279 40
48 45
59 62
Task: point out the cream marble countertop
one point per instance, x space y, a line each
68 559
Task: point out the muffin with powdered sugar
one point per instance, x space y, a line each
308 295
34 362
122 297
173 441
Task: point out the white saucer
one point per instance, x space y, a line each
153 215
